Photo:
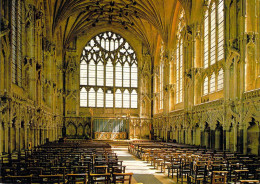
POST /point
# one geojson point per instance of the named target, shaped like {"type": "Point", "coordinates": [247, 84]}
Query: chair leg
{"type": "Point", "coordinates": [177, 174]}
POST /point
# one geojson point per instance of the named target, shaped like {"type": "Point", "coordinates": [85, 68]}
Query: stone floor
{"type": "Point", "coordinates": [143, 173]}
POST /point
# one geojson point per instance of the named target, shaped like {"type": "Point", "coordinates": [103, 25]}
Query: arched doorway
{"type": "Point", "coordinates": [253, 138]}
{"type": "Point", "coordinates": [206, 136]}
{"type": "Point", "coordinates": [2, 138]}
{"type": "Point", "coordinates": [197, 135]}
{"type": "Point", "coordinates": [22, 136]}
{"type": "Point", "coordinates": [13, 137]}
{"type": "Point", "coordinates": [219, 137]}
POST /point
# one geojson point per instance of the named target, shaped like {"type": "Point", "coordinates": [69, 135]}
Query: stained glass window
{"type": "Point", "coordinates": [221, 30]}
{"type": "Point", "coordinates": [212, 83]}
{"type": "Point", "coordinates": [119, 98]}
{"type": "Point", "coordinates": [206, 41]}
{"type": "Point", "coordinates": [16, 41]}
{"type": "Point", "coordinates": [213, 44]}
{"type": "Point", "coordinates": [206, 86]}
{"type": "Point", "coordinates": [161, 77]}
{"type": "Point", "coordinates": [108, 66]}
{"type": "Point", "coordinates": [213, 35]}
{"type": "Point", "coordinates": [179, 71]}
{"type": "Point", "coordinates": [220, 79]}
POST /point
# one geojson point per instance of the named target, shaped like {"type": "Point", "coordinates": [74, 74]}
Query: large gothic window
{"type": "Point", "coordinates": [213, 45]}
{"type": "Point", "coordinates": [220, 79]}
{"type": "Point", "coordinates": [16, 41]}
{"type": "Point", "coordinates": [179, 58]}
{"type": "Point", "coordinates": [212, 83]}
{"type": "Point", "coordinates": [206, 86]}
{"type": "Point", "coordinates": [214, 41]}
{"type": "Point", "coordinates": [108, 73]}
{"type": "Point", "coordinates": [206, 41]}
{"type": "Point", "coordinates": [161, 73]}
{"type": "Point", "coordinates": [221, 30]}
{"type": "Point", "coordinates": [179, 71]}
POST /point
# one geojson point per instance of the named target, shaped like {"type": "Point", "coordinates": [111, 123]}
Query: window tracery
{"type": "Point", "coordinates": [16, 41]}
{"type": "Point", "coordinates": [220, 79]}
{"type": "Point", "coordinates": [213, 44]}
{"type": "Point", "coordinates": [161, 73]}
{"type": "Point", "coordinates": [206, 86]}
{"type": "Point", "coordinates": [179, 59]}
{"type": "Point", "coordinates": [212, 83]}
{"type": "Point", "coordinates": [108, 66]}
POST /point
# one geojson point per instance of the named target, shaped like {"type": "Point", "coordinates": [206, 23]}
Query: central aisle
{"type": "Point", "coordinates": [143, 173]}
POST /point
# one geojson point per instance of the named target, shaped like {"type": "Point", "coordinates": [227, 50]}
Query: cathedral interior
{"type": "Point", "coordinates": [169, 72]}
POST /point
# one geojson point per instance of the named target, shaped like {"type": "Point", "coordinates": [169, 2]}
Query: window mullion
{"type": "Point", "coordinates": [110, 44]}
{"type": "Point", "coordinates": [105, 88]}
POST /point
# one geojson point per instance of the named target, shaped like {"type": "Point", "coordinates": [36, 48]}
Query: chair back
{"type": "Point", "coordinates": [122, 178]}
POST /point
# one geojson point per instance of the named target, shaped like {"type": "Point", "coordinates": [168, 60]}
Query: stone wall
{"type": "Point", "coordinates": [227, 119]}
{"type": "Point", "coordinates": [30, 110]}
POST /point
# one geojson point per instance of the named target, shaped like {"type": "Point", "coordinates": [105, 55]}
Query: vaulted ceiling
{"type": "Point", "coordinates": [146, 19]}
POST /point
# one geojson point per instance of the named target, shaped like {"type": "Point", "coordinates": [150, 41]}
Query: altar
{"type": "Point", "coordinates": [110, 135]}
{"type": "Point", "coordinates": [110, 129]}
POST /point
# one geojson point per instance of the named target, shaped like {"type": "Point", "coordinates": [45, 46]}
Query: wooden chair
{"type": "Point", "coordinates": [36, 171]}
{"type": "Point", "coordinates": [175, 165]}
{"type": "Point", "coordinates": [18, 179]}
{"type": "Point", "coordinates": [250, 181]}
{"type": "Point", "coordinates": [241, 175]}
{"type": "Point", "coordinates": [75, 178]}
{"type": "Point", "coordinates": [122, 178]}
{"type": "Point", "coordinates": [199, 174]}
{"type": "Point", "coordinates": [81, 169]}
{"type": "Point", "coordinates": [219, 177]}
{"type": "Point", "coordinates": [58, 178]}
{"type": "Point", "coordinates": [118, 169]}
{"type": "Point", "coordinates": [257, 174]}
{"type": "Point", "coordinates": [186, 168]}
{"type": "Point", "coordinates": [101, 169]}
{"type": "Point", "coordinates": [100, 178]}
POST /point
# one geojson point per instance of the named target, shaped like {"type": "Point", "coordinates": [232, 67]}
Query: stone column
{"type": "Point", "coordinates": [39, 136]}
{"type": "Point", "coordinates": [34, 137]}
{"type": "Point", "coordinates": [235, 137]}
{"type": "Point", "coordinates": [26, 135]}
{"type": "Point", "coordinates": [7, 138]}
{"type": "Point", "coordinates": [17, 138]}
{"type": "Point", "coordinates": [227, 136]}
{"type": "Point", "coordinates": [2, 134]}
{"type": "Point", "coordinates": [32, 140]}
{"type": "Point", "coordinates": [244, 128]}
{"type": "Point", "coordinates": [12, 137]}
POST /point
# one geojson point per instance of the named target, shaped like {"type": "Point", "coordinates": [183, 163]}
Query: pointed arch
{"type": "Point", "coordinates": [108, 62]}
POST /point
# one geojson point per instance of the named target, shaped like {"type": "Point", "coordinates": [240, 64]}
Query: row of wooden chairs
{"type": "Point", "coordinates": [73, 178]}
{"type": "Point", "coordinates": [66, 163]}
{"type": "Point", "coordinates": [197, 165]}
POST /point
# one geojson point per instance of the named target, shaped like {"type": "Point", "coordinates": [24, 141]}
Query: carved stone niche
{"type": "Point", "coordinates": [29, 15]}
{"type": "Point", "coordinates": [189, 30]}
{"type": "Point", "coordinates": [38, 14]}
{"type": "Point", "coordinates": [251, 37]}
{"type": "Point", "coordinates": [4, 26]}
{"type": "Point", "coordinates": [28, 61]}
{"type": "Point", "coordinates": [188, 73]}
{"type": "Point", "coordinates": [46, 45]}
{"type": "Point", "coordinates": [38, 66]}
{"type": "Point", "coordinates": [234, 44]}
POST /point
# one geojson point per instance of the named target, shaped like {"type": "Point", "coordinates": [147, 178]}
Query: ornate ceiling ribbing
{"type": "Point", "coordinates": [140, 17]}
